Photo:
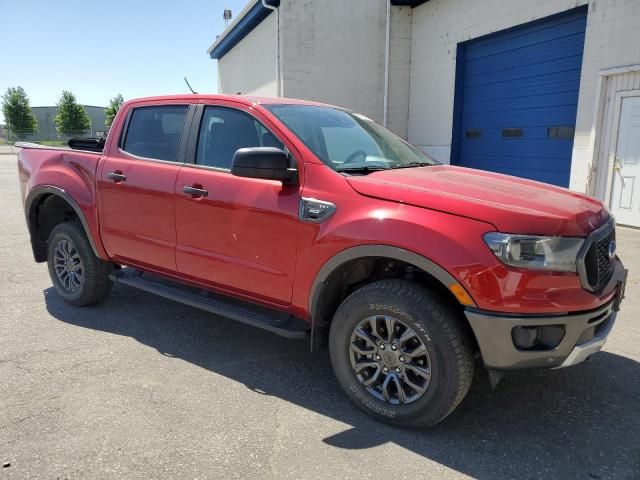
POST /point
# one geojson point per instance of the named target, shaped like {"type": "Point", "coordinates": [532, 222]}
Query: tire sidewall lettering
{"type": "Point", "coordinates": [399, 311]}
{"type": "Point", "coordinates": [365, 399]}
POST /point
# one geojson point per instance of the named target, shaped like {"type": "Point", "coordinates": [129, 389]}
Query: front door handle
{"type": "Point", "coordinates": [117, 176]}
{"type": "Point", "coordinates": [195, 191]}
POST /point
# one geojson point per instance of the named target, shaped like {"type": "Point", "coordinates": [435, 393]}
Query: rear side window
{"type": "Point", "coordinates": [154, 132]}
{"type": "Point", "coordinates": [225, 130]}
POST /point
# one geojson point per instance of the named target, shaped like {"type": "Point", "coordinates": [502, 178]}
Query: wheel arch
{"type": "Point", "coordinates": [323, 296]}
{"type": "Point", "coordinates": [34, 201]}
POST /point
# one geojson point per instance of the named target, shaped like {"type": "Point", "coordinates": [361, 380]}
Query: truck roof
{"type": "Point", "coordinates": [245, 99]}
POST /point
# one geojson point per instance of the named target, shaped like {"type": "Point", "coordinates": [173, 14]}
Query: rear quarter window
{"type": "Point", "coordinates": [154, 132]}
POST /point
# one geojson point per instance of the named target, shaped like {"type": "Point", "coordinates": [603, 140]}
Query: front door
{"type": "Point", "coordinates": [625, 199]}
{"type": "Point", "coordinates": [235, 234]}
{"type": "Point", "coordinates": [136, 184]}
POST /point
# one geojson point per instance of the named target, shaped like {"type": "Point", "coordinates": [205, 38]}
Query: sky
{"type": "Point", "coordinates": [99, 49]}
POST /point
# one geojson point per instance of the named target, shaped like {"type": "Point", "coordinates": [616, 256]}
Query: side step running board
{"type": "Point", "coordinates": [273, 321]}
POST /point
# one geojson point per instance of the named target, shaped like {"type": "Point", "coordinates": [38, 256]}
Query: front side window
{"type": "Point", "coordinates": [348, 141]}
{"type": "Point", "coordinates": [225, 130]}
{"type": "Point", "coordinates": [154, 132]}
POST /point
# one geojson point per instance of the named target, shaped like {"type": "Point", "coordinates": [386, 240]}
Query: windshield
{"type": "Point", "coordinates": [347, 141]}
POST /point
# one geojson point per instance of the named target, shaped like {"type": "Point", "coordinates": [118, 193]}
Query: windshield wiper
{"type": "Point", "coordinates": [413, 164]}
{"type": "Point", "coordinates": [361, 169]}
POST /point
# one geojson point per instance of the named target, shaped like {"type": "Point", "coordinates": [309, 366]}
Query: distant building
{"type": "Point", "coordinates": [47, 127]}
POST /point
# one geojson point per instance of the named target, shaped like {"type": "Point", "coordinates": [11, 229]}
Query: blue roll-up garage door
{"type": "Point", "coordinates": [517, 96]}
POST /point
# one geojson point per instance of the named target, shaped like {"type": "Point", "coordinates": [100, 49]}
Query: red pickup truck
{"type": "Point", "coordinates": [310, 220]}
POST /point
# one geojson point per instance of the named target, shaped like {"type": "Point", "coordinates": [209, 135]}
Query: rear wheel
{"type": "Point", "coordinates": [78, 276]}
{"type": "Point", "coordinates": [400, 354]}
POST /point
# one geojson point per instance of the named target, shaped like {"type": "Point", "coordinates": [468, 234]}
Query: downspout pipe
{"type": "Point", "coordinates": [385, 108]}
{"type": "Point", "coordinates": [278, 81]}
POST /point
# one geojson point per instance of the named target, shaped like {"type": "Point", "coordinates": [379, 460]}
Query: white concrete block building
{"type": "Point", "coordinates": [542, 89]}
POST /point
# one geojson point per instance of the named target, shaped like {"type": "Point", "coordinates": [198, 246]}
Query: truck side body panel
{"type": "Point", "coordinates": [140, 228]}
{"type": "Point", "coordinates": [72, 172]}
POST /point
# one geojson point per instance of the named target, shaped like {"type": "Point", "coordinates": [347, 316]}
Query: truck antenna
{"type": "Point", "coordinates": [187, 82]}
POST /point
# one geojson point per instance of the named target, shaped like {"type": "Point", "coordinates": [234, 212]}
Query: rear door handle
{"type": "Point", "coordinates": [117, 176]}
{"type": "Point", "coordinates": [195, 191]}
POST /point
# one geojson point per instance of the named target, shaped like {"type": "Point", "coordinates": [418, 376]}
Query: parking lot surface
{"type": "Point", "coordinates": [141, 387]}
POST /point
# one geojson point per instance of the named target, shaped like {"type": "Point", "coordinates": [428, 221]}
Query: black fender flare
{"type": "Point", "coordinates": [30, 212]}
{"type": "Point", "coordinates": [363, 251]}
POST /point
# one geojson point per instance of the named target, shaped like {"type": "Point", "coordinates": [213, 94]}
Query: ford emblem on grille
{"type": "Point", "coordinates": [612, 249]}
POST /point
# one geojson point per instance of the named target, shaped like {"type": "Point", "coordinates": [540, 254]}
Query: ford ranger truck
{"type": "Point", "coordinates": [312, 221]}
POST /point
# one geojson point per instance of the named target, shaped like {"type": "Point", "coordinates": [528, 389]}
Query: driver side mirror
{"type": "Point", "coordinates": [268, 163]}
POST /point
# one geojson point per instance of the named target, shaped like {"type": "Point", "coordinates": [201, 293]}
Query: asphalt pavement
{"type": "Point", "coordinates": [141, 387]}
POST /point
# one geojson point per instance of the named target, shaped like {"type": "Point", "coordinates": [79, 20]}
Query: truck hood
{"type": "Point", "coordinates": [511, 204]}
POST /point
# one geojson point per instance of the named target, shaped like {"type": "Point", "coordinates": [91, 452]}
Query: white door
{"type": "Point", "coordinates": [625, 199]}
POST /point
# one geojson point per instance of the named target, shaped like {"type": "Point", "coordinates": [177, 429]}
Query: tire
{"type": "Point", "coordinates": [87, 280]}
{"type": "Point", "coordinates": [430, 324]}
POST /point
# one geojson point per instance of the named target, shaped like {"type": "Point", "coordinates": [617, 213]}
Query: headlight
{"type": "Point", "coordinates": [528, 251]}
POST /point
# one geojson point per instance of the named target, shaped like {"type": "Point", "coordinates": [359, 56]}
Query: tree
{"type": "Point", "coordinates": [71, 119]}
{"type": "Point", "coordinates": [114, 105]}
{"type": "Point", "coordinates": [17, 112]}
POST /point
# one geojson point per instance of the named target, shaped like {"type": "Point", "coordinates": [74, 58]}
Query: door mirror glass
{"type": "Point", "coordinates": [268, 163]}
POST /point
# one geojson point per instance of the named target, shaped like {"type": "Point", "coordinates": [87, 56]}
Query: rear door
{"type": "Point", "coordinates": [136, 187]}
{"type": "Point", "coordinates": [239, 234]}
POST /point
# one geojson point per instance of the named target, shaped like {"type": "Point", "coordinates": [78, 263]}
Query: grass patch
{"type": "Point", "coordinates": [52, 143]}
{"type": "Point", "coordinates": [49, 143]}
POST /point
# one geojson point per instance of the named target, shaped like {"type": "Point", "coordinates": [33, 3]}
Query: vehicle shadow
{"type": "Point", "coordinates": [582, 422]}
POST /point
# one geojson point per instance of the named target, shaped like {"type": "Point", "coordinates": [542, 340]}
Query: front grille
{"type": "Point", "coordinates": [598, 267]}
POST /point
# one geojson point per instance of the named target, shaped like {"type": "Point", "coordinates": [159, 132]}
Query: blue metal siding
{"type": "Point", "coordinates": [525, 78]}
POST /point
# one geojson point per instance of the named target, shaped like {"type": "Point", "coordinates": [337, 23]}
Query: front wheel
{"type": "Point", "coordinates": [78, 276]}
{"type": "Point", "coordinates": [400, 354]}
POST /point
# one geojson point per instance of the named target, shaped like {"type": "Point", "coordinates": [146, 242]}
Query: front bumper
{"type": "Point", "coordinates": [584, 333]}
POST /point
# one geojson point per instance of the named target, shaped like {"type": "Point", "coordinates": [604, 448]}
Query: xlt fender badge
{"type": "Point", "coordinates": [314, 210]}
